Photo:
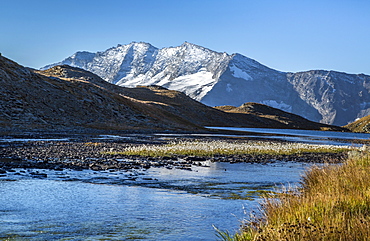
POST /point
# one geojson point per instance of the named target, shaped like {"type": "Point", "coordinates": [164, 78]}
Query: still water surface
{"type": "Point", "coordinates": [305, 136]}
{"type": "Point", "coordinates": [157, 204]}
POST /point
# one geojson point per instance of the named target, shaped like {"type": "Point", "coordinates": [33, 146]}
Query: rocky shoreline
{"type": "Point", "coordinates": [80, 155]}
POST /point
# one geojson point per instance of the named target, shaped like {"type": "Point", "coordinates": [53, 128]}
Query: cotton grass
{"type": "Point", "coordinates": [220, 147]}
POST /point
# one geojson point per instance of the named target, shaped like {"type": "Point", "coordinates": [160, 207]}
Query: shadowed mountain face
{"type": "Point", "coordinates": [217, 79]}
{"type": "Point", "coordinates": [65, 97]}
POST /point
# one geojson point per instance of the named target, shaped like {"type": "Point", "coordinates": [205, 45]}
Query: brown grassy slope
{"type": "Point", "coordinates": [360, 125]}
{"type": "Point", "coordinates": [30, 100]}
{"type": "Point", "coordinates": [157, 114]}
{"type": "Point", "coordinates": [277, 118]}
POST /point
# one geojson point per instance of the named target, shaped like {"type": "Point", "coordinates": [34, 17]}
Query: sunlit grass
{"type": "Point", "coordinates": [212, 148]}
{"type": "Point", "coordinates": [333, 203]}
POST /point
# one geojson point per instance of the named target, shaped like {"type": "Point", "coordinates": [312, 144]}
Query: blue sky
{"type": "Point", "coordinates": [285, 35]}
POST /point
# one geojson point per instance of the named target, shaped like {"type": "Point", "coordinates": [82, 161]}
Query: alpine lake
{"type": "Point", "coordinates": [157, 203]}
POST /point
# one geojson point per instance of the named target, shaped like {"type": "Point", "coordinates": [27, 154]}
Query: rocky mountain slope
{"type": "Point", "coordinates": [69, 98]}
{"type": "Point", "coordinates": [360, 125]}
{"type": "Point", "coordinates": [221, 79]}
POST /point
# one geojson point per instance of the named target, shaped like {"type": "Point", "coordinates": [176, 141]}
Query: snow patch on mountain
{"type": "Point", "coordinates": [238, 73]}
{"type": "Point", "coordinates": [195, 85]}
{"type": "Point", "coordinates": [278, 105]}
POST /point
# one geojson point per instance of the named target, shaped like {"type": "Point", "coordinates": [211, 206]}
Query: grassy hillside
{"type": "Point", "coordinates": [361, 125]}
{"type": "Point", "coordinates": [276, 118]}
{"type": "Point", "coordinates": [34, 100]}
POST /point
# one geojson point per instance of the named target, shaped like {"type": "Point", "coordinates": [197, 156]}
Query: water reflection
{"type": "Point", "coordinates": [161, 204]}
{"type": "Point", "coordinates": [306, 136]}
{"type": "Point", "coordinates": [51, 210]}
{"type": "Point", "coordinates": [153, 204]}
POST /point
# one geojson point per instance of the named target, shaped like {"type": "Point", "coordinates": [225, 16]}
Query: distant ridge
{"type": "Point", "coordinates": [216, 79]}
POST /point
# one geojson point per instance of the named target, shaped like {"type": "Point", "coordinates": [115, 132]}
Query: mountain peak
{"type": "Point", "coordinates": [186, 43]}
{"type": "Point", "coordinates": [196, 46]}
{"type": "Point", "coordinates": [144, 44]}
{"type": "Point", "coordinates": [189, 44]}
{"type": "Point", "coordinates": [134, 43]}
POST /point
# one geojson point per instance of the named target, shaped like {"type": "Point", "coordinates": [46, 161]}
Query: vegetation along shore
{"type": "Point", "coordinates": [333, 203]}
{"type": "Point", "coordinates": [117, 155]}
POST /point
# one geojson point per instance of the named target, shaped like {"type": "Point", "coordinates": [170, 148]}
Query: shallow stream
{"type": "Point", "coordinates": [147, 204]}
{"type": "Point", "coordinates": [156, 204]}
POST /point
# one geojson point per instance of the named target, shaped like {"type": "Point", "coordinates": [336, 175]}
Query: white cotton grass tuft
{"type": "Point", "coordinates": [221, 147]}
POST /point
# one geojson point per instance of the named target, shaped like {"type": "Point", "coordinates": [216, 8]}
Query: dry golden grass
{"type": "Point", "coordinates": [361, 125]}
{"type": "Point", "coordinates": [332, 204]}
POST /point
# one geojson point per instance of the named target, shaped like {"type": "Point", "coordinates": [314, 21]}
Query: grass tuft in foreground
{"type": "Point", "coordinates": [332, 204]}
{"type": "Point", "coordinates": [211, 148]}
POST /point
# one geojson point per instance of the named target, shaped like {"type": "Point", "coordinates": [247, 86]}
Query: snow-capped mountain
{"type": "Point", "coordinates": [191, 69]}
{"type": "Point", "coordinates": [215, 79]}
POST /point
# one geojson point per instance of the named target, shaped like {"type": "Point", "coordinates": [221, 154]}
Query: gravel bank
{"type": "Point", "coordinates": [92, 155]}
